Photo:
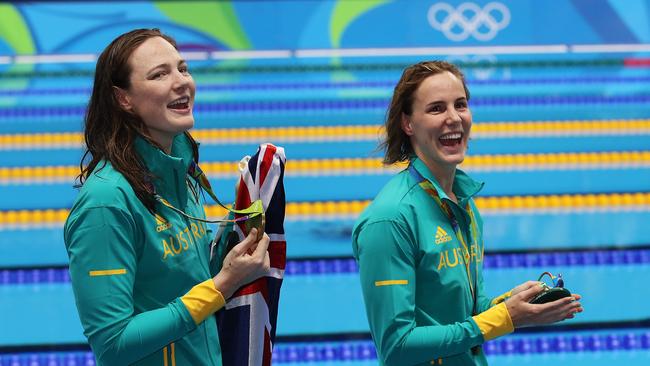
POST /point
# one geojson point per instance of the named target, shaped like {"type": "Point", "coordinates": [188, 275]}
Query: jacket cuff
{"type": "Point", "coordinates": [203, 300]}
{"type": "Point", "coordinates": [501, 298]}
{"type": "Point", "coordinates": [494, 322]}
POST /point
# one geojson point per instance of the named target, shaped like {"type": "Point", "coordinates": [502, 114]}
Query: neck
{"type": "Point", "coordinates": [444, 176]}
{"type": "Point", "coordinates": [165, 142]}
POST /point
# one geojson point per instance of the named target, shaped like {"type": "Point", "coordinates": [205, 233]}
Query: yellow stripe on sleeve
{"type": "Point", "coordinates": [391, 282]}
{"type": "Point", "coordinates": [107, 272]}
{"type": "Point", "coordinates": [494, 322]}
{"type": "Point", "coordinates": [203, 300]}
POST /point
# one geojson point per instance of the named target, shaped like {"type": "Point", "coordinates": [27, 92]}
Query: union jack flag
{"type": "Point", "coordinates": [247, 324]}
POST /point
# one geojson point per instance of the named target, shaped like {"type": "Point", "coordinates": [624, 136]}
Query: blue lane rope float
{"type": "Point", "coordinates": [343, 104]}
{"type": "Point", "coordinates": [346, 85]}
{"type": "Point", "coordinates": [364, 350]}
{"type": "Point", "coordinates": [318, 267]}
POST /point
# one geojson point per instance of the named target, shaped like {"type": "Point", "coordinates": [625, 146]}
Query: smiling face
{"type": "Point", "coordinates": [161, 90]}
{"type": "Point", "coordinates": [440, 122]}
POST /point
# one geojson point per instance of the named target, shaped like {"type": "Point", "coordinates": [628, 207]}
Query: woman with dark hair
{"type": "Point", "coordinates": [419, 244]}
{"type": "Point", "coordinates": [138, 248]}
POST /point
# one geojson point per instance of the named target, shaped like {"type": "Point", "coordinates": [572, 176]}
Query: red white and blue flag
{"type": "Point", "coordinates": [247, 324]}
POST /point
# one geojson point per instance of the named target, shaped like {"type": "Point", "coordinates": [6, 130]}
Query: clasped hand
{"type": "Point", "coordinates": [244, 263]}
{"type": "Point", "coordinates": [524, 314]}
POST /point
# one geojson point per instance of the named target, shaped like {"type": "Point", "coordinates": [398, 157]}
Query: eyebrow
{"type": "Point", "coordinates": [442, 101]}
{"type": "Point", "coordinates": [434, 103]}
{"type": "Point", "coordinates": [180, 62]}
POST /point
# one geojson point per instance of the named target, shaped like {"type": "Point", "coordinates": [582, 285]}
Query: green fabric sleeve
{"type": "Point", "coordinates": [387, 256]}
{"type": "Point", "coordinates": [100, 243]}
{"type": "Point", "coordinates": [483, 302]}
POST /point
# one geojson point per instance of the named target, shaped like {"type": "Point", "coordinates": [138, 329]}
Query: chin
{"type": "Point", "coordinates": [455, 160]}
{"type": "Point", "coordinates": [185, 124]}
{"type": "Point", "coordinates": [189, 126]}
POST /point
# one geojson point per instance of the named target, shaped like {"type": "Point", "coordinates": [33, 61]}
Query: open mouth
{"type": "Point", "coordinates": [180, 104]}
{"type": "Point", "coordinates": [451, 139]}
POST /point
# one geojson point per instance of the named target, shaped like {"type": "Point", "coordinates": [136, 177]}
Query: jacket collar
{"type": "Point", "coordinates": [170, 171]}
{"type": "Point", "coordinates": [464, 186]}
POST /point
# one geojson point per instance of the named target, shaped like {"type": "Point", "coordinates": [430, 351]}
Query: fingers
{"type": "Point", "coordinates": [525, 314]}
{"type": "Point", "coordinates": [528, 284]}
{"type": "Point", "coordinates": [267, 263]}
{"type": "Point", "coordinates": [571, 314]}
{"type": "Point", "coordinates": [564, 308]}
{"type": "Point", "coordinates": [531, 291]}
{"type": "Point", "coordinates": [565, 302]}
{"type": "Point", "coordinates": [255, 249]}
{"type": "Point", "coordinates": [522, 287]}
{"type": "Point", "coordinates": [245, 263]}
{"type": "Point", "coordinates": [262, 245]}
{"type": "Point", "coordinates": [245, 245]}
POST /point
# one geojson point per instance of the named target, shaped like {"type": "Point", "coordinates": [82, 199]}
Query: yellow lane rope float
{"type": "Point", "coordinates": [296, 211]}
{"type": "Point", "coordinates": [353, 133]}
{"type": "Point", "coordinates": [359, 166]}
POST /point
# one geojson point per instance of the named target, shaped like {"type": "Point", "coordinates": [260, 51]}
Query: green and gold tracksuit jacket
{"type": "Point", "coordinates": [141, 281]}
{"type": "Point", "coordinates": [414, 279]}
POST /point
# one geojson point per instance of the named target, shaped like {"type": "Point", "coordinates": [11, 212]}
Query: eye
{"type": "Point", "coordinates": [436, 108]}
{"type": "Point", "coordinates": [184, 70]}
{"type": "Point", "coordinates": [461, 104]}
{"type": "Point", "coordinates": [159, 75]}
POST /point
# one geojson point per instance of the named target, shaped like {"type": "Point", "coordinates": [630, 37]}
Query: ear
{"type": "Point", "coordinates": [123, 99]}
{"type": "Point", "coordinates": [406, 125]}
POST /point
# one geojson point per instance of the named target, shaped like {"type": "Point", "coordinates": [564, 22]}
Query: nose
{"type": "Point", "coordinates": [181, 80]}
{"type": "Point", "coordinates": [453, 116]}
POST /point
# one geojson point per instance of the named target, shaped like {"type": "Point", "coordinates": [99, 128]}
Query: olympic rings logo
{"type": "Point", "coordinates": [469, 20]}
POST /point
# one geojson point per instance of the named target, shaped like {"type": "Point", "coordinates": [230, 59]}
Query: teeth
{"type": "Point", "coordinates": [451, 136]}
{"type": "Point", "coordinates": [183, 100]}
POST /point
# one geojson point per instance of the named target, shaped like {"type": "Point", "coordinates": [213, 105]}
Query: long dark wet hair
{"type": "Point", "coordinates": [109, 131]}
